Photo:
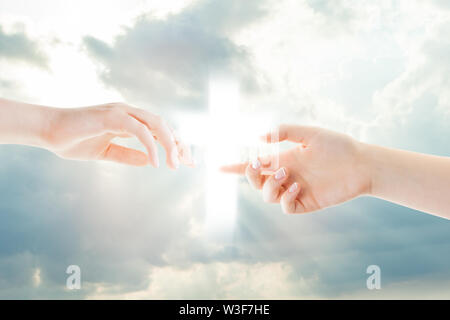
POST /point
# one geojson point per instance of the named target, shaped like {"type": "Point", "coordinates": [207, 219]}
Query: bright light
{"type": "Point", "coordinates": [227, 135]}
{"type": "Point", "coordinates": [221, 189]}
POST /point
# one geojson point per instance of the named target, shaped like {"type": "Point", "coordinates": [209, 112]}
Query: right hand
{"type": "Point", "coordinates": [86, 134]}
{"type": "Point", "coordinates": [325, 168]}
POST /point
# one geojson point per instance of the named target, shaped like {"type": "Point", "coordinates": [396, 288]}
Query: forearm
{"type": "Point", "coordinates": [415, 180]}
{"type": "Point", "coordinates": [22, 123]}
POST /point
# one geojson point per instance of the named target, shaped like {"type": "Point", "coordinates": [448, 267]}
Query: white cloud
{"type": "Point", "coordinates": [233, 280]}
{"type": "Point", "coordinates": [18, 46]}
{"type": "Point", "coordinates": [168, 62]}
{"type": "Point", "coordinates": [422, 288]}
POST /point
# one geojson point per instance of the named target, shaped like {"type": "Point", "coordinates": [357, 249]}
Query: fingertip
{"type": "Point", "coordinates": [153, 154]}
{"type": "Point", "coordinates": [175, 162]}
{"type": "Point", "coordinates": [264, 138]}
{"type": "Point", "coordinates": [189, 161]}
{"type": "Point", "coordinates": [255, 165]}
{"type": "Point", "coordinates": [154, 162]}
{"type": "Point", "coordinates": [185, 154]}
{"type": "Point", "coordinates": [227, 169]}
{"type": "Point", "coordinates": [253, 174]}
{"type": "Point", "coordinates": [289, 202]}
{"type": "Point", "coordinates": [281, 174]}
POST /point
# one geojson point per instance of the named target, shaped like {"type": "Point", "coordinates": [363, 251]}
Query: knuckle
{"type": "Point", "coordinates": [160, 123]}
{"type": "Point", "coordinates": [282, 127]}
{"type": "Point", "coordinates": [142, 130]}
{"type": "Point", "coordinates": [158, 119]}
{"type": "Point", "coordinates": [171, 141]}
{"type": "Point", "coordinates": [114, 115]}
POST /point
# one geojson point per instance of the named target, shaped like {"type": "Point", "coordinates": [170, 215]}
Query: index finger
{"type": "Point", "coordinates": [293, 133]}
{"type": "Point", "coordinates": [237, 168]}
{"type": "Point", "coordinates": [240, 168]}
{"type": "Point", "coordinates": [162, 132]}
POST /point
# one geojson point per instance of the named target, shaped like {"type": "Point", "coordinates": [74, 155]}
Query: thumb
{"type": "Point", "coordinates": [124, 155]}
{"type": "Point", "coordinates": [240, 168]}
{"type": "Point", "coordinates": [293, 133]}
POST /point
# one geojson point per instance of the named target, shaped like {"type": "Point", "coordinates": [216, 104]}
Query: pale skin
{"type": "Point", "coordinates": [326, 168]}
{"type": "Point", "coordinates": [86, 133]}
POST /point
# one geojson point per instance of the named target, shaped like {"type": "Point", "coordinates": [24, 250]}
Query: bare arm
{"type": "Point", "coordinates": [22, 123]}
{"type": "Point", "coordinates": [415, 180]}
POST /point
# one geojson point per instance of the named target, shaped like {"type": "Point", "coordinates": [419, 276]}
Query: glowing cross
{"type": "Point", "coordinates": [228, 137]}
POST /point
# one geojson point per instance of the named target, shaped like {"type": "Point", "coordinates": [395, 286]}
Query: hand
{"type": "Point", "coordinates": [86, 134]}
{"type": "Point", "coordinates": [324, 169]}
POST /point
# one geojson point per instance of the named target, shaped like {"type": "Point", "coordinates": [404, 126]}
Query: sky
{"type": "Point", "coordinates": [378, 71]}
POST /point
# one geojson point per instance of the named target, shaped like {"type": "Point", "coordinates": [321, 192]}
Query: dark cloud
{"type": "Point", "coordinates": [18, 46]}
{"type": "Point", "coordinates": [168, 62]}
{"type": "Point", "coordinates": [55, 213]}
{"type": "Point", "coordinates": [336, 245]}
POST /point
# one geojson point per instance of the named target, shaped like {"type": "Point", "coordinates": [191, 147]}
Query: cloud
{"type": "Point", "coordinates": [428, 288]}
{"type": "Point", "coordinates": [16, 47]}
{"type": "Point", "coordinates": [442, 4]}
{"type": "Point", "coordinates": [167, 62]}
{"type": "Point", "coordinates": [418, 100]}
{"type": "Point", "coordinates": [339, 14]}
{"type": "Point", "coordinates": [19, 47]}
{"type": "Point", "coordinates": [134, 232]}
{"type": "Point", "coordinates": [233, 280]}
{"type": "Point", "coordinates": [428, 73]}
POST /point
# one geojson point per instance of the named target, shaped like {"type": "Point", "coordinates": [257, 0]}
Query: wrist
{"type": "Point", "coordinates": [47, 130]}
{"type": "Point", "coordinates": [367, 165]}
{"type": "Point", "coordinates": [27, 124]}
{"type": "Point", "coordinates": [37, 125]}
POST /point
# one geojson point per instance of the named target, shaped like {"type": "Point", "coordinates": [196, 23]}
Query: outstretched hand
{"type": "Point", "coordinates": [325, 168]}
{"type": "Point", "coordinates": [86, 134]}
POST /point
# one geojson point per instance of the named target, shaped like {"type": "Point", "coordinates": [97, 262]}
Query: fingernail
{"type": "Point", "coordinates": [294, 187]}
{"type": "Point", "coordinates": [256, 164]}
{"type": "Point", "coordinates": [280, 174]}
